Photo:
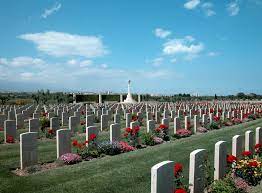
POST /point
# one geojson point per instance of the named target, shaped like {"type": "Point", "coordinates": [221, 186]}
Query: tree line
{"type": "Point", "coordinates": [47, 97]}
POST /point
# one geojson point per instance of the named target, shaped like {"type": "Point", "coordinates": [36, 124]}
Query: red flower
{"type": "Point", "coordinates": [178, 167]}
{"type": "Point", "coordinates": [246, 153]}
{"type": "Point", "coordinates": [74, 142]}
{"type": "Point", "coordinates": [158, 129]}
{"type": "Point", "coordinates": [257, 146]}
{"type": "Point", "coordinates": [216, 118]}
{"type": "Point", "coordinates": [134, 118]}
{"type": "Point", "coordinates": [253, 164]}
{"type": "Point", "coordinates": [80, 145]}
{"type": "Point", "coordinates": [1, 129]}
{"type": "Point", "coordinates": [128, 130]}
{"type": "Point", "coordinates": [83, 112]}
{"type": "Point", "coordinates": [10, 139]}
{"type": "Point", "coordinates": [136, 129]}
{"type": "Point", "coordinates": [86, 142]}
{"type": "Point", "coordinates": [50, 131]}
{"type": "Point", "coordinates": [92, 137]}
{"type": "Point", "coordinates": [125, 134]}
{"type": "Point", "coordinates": [180, 190]}
{"type": "Point", "coordinates": [162, 126]}
{"type": "Point", "coordinates": [231, 158]}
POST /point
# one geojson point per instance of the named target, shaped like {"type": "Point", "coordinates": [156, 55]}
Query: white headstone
{"type": "Point", "coordinates": [162, 177]}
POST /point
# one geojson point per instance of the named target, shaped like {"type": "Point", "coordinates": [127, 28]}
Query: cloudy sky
{"type": "Point", "coordinates": [163, 46]}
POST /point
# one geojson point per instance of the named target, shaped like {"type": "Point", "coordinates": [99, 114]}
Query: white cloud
{"type": "Point", "coordinates": [22, 61]}
{"type": "Point", "coordinates": [73, 74]}
{"type": "Point", "coordinates": [233, 8]}
{"type": "Point", "coordinates": [104, 65]}
{"type": "Point", "coordinates": [153, 74]}
{"type": "Point", "coordinates": [191, 4]}
{"type": "Point", "coordinates": [213, 53]}
{"type": "Point", "coordinates": [64, 44]}
{"type": "Point", "coordinates": [182, 46]}
{"type": "Point", "coordinates": [26, 75]}
{"type": "Point", "coordinates": [3, 61]}
{"type": "Point", "coordinates": [86, 63]}
{"type": "Point", "coordinates": [173, 60]}
{"type": "Point", "coordinates": [190, 38]}
{"type": "Point", "coordinates": [161, 33]}
{"type": "Point", "coordinates": [55, 8]}
{"type": "Point", "coordinates": [72, 62]}
{"type": "Point", "coordinates": [79, 63]}
{"type": "Point", "coordinates": [208, 9]}
{"type": "Point", "coordinates": [157, 61]}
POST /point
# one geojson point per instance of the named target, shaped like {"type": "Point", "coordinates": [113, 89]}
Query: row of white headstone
{"type": "Point", "coordinates": [28, 142]}
{"type": "Point", "coordinates": [162, 176]}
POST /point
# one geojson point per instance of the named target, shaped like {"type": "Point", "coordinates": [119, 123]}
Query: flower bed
{"type": "Point", "coordinates": [242, 174]}
{"type": "Point", "coordinates": [182, 133]}
{"type": "Point", "coordinates": [162, 132]}
{"type": "Point", "coordinates": [70, 158]}
{"type": "Point", "coordinates": [202, 130]}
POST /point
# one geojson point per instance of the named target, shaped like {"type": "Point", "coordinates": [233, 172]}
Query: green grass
{"type": "Point", "coordinates": [128, 173]}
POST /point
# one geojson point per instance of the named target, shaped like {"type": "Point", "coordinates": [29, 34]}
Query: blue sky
{"type": "Point", "coordinates": [167, 46]}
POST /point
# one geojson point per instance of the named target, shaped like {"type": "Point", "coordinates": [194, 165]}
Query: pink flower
{"type": "Point", "coordinates": [125, 147]}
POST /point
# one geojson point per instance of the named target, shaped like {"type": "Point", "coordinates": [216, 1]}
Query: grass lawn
{"type": "Point", "coordinates": [127, 173]}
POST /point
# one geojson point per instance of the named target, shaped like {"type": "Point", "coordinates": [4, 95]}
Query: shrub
{"type": "Point", "coordinates": [158, 140]}
{"type": "Point", "coordinates": [108, 148]}
{"type": "Point", "coordinates": [84, 129]}
{"type": "Point", "coordinates": [201, 129]}
{"type": "Point", "coordinates": [225, 185]}
{"type": "Point", "coordinates": [182, 133]}
{"type": "Point", "coordinates": [214, 125]}
{"type": "Point", "coordinates": [250, 170]}
{"type": "Point", "coordinates": [33, 169]}
{"type": "Point", "coordinates": [44, 122]}
{"type": "Point", "coordinates": [162, 132]}
{"type": "Point", "coordinates": [49, 133]}
{"type": "Point", "coordinates": [241, 184]}
{"type": "Point", "coordinates": [227, 122]}
{"type": "Point", "coordinates": [148, 139]}
{"type": "Point", "coordinates": [236, 121]}
{"type": "Point", "coordinates": [134, 117]}
{"type": "Point", "coordinates": [132, 135]}
{"type": "Point", "coordinates": [90, 151]}
{"type": "Point", "coordinates": [70, 158]}
{"type": "Point", "coordinates": [125, 147]}
{"type": "Point", "coordinates": [252, 117]}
